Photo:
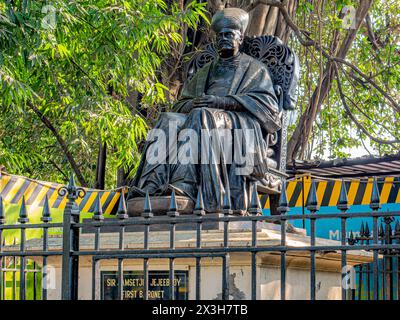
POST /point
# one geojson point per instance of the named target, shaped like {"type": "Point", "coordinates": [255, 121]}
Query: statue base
{"type": "Point", "coordinates": [160, 205]}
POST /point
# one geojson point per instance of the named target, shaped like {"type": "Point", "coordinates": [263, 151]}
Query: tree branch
{"type": "Point", "coordinates": [394, 104]}
{"type": "Point", "coordinates": [61, 141]}
{"type": "Point", "coordinates": [59, 169]}
{"type": "Point", "coordinates": [273, 3]}
{"type": "Point", "coordinates": [353, 118]}
{"type": "Point", "coordinates": [358, 108]}
{"type": "Point", "coordinates": [371, 33]}
{"type": "Point", "coordinates": [310, 42]}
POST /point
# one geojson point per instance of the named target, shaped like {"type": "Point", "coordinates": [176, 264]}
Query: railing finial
{"type": "Point", "coordinates": [366, 230]}
{"type": "Point", "coordinates": [71, 183]}
{"type": "Point", "coordinates": [122, 211]}
{"type": "Point", "coordinates": [23, 216]}
{"type": "Point", "coordinates": [255, 205]}
{"type": "Point", "coordinates": [375, 203]}
{"type": "Point", "coordinates": [46, 217]}
{"type": "Point", "coordinates": [362, 229]}
{"type": "Point", "coordinates": [199, 207]}
{"type": "Point", "coordinates": [343, 203]}
{"type": "Point", "coordinates": [2, 212]}
{"type": "Point", "coordinates": [283, 200]}
{"type": "Point", "coordinates": [98, 210]}
{"type": "Point", "coordinates": [147, 211]}
{"type": "Point", "coordinates": [71, 190]}
{"type": "Point", "coordinates": [312, 201]}
{"type": "Point", "coordinates": [380, 231]}
{"type": "Point", "coordinates": [397, 228]}
{"type": "Point", "coordinates": [351, 239]}
{"type": "Point", "coordinates": [173, 207]}
{"type": "Point", "coordinates": [226, 204]}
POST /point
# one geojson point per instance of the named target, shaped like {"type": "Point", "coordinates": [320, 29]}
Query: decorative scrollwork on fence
{"type": "Point", "coordinates": [71, 191]}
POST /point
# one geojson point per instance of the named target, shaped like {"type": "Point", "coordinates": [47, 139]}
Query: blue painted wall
{"type": "Point", "coordinates": [330, 228]}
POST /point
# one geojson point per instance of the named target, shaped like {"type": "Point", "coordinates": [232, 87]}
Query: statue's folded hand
{"type": "Point", "coordinates": [225, 103]}
{"type": "Point", "coordinates": [205, 101]}
{"type": "Point", "coordinates": [211, 101]}
{"type": "Point", "coordinates": [201, 102]}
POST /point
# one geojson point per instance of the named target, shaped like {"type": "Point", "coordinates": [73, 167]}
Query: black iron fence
{"type": "Point", "coordinates": [378, 279]}
{"type": "Point", "coordinates": [11, 279]}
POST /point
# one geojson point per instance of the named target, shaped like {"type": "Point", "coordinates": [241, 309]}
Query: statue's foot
{"type": "Point", "coordinates": [178, 191]}
{"type": "Point", "coordinates": [135, 192]}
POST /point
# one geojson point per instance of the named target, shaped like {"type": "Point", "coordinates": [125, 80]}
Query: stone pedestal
{"type": "Point", "coordinates": [206, 225]}
{"type": "Point", "coordinates": [160, 205]}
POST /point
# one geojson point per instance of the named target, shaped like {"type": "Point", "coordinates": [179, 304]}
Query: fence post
{"type": "Point", "coordinates": [2, 244]}
{"type": "Point", "coordinates": [70, 262]}
{"type": "Point", "coordinates": [254, 210]}
{"type": "Point", "coordinates": [22, 219]}
{"type": "Point", "coordinates": [283, 209]}
{"type": "Point", "coordinates": [227, 211]}
{"type": "Point", "coordinates": [343, 206]}
{"type": "Point", "coordinates": [375, 206]}
{"type": "Point", "coordinates": [387, 256]}
{"type": "Point", "coordinates": [313, 207]}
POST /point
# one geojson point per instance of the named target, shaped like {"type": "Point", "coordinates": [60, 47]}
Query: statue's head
{"type": "Point", "coordinates": [229, 25]}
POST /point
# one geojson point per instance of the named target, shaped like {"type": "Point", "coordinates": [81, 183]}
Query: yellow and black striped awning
{"type": "Point", "coordinates": [358, 191]}
{"type": "Point", "coordinates": [13, 188]}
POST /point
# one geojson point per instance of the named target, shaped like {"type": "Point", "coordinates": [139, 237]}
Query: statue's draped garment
{"type": "Point", "coordinates": [244, 79]}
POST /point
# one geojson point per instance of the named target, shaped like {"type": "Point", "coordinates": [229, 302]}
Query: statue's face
{"type": "Point", "coordinates": [228, 42]}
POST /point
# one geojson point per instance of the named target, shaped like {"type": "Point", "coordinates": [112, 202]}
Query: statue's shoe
{"type": "Point", "coordinates": [136, 192]}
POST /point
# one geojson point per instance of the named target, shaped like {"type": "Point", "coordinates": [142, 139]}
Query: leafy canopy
{"type": "Point", "coordinates": [77, 62]}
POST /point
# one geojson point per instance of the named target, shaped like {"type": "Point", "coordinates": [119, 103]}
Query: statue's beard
{"type": "Point", "coordinates": [226, 50]}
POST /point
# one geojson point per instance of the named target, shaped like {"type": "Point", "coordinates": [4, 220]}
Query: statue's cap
{"type": "Point", "coordinates": [232, 18]}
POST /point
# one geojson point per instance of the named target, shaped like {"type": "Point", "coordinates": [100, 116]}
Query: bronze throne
{"type": "Point", "coordinates": [283, 66]}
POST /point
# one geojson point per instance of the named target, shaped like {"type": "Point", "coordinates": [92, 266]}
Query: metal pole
{"type": "Point", "coordinates": [70, 262]}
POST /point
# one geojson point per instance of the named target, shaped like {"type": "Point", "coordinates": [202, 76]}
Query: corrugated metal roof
{"type": "Point", "coordinates": [368, 166]}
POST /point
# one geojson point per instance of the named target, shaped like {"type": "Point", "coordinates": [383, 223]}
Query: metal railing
{"type": "Point", "coordinates": [10, 278]}
{"type": "Point", "coordinates": [383, 242]}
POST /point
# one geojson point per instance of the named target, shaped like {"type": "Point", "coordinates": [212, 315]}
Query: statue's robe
{"type": "Point", "coordinates": [244, 79]}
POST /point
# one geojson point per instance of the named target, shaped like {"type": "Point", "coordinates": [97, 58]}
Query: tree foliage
{"type": "Point", "coordinates": [365, 112]}
{"type": "Point", "coordinates": [66, 71]}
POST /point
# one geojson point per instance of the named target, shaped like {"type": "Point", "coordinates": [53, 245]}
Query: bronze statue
{"type": "Point", "coordinates": [234, 94]}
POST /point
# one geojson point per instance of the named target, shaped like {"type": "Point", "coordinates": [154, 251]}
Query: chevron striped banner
{"type": "Point", "coordinates": [358, 191]}
{"type": "Point", "coordinates": [13, 188]}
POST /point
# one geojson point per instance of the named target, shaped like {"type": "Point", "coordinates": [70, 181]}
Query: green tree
{"type": "Point", "coordinates": [67, 69]}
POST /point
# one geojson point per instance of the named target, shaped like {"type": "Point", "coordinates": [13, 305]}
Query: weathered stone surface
{"type": "Point", "coordinates": [160, 205]}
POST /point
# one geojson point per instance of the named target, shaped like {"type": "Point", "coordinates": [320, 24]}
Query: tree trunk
{"type": "Point", "coordinates": [267, 19]}
{"type": "Point", "coordinates": [99, 182]}
{"type": "Point", "coordinates": [122, 178]}
{"type": "Point", "coordinates": [265, 16]}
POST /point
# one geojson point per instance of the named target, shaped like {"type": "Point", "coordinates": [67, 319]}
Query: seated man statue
{"type": "Point", "coordinates": [226, 110]}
